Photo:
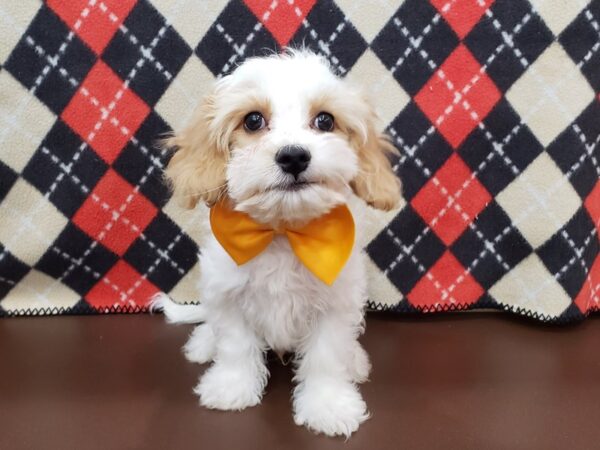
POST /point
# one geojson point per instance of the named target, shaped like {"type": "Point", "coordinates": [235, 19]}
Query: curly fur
{"type": "Point", "coordinates": [273, 301]}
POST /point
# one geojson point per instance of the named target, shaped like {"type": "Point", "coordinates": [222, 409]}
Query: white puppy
{"type": "Point", "coordinates": [284, 141]}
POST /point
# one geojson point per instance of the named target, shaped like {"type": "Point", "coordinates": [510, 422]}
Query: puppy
{"type": "Point", "coordinates": [281, 144]}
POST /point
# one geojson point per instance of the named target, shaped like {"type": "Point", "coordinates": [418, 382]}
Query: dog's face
{"type": "Point", "coordinates": [285, 140]}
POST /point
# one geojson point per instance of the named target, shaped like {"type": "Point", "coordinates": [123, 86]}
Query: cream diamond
{"type": "Point", "coordinates": [187, 290]}
{"type": "Point", "coordinates": [14, 19]}
{"type": "Point", "coordinates": [530, 286]}
{"type": "Point", "coordinates": [370, 221]}
{"type": "Point", "coordinates": [193, 221]}
{"type": "Point", "coordinates": [381, 290]}
{"type": "Point", "coordinates": [369, 17]}
{"type": "Point", "coordinates": [38, 290]}
{"type": "Point", "coordinates": [24, 121]}
{"type": "Point", "coordinates": [558, 13]}
{"type": "Point", "coordinates": [183, 96]}
{"type": "Point", "coordinates": [190, 18]}
{"type": "Point", "coordinates": [550, 94]}
{"type": "Point", "coordinates": [540, 200]}
{"type": "Point", "coordinates": [388, 96]}
{"type": "Point", "coordinates": [21, 213]}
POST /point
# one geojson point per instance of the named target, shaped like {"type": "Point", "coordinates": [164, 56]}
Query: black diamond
{"type": "Point", "coordinates": [327, 31]}
{"type": "Point", "coordinates": [143, 158]}
{"type": "Point", "coordinates": [76, 260]}
{"type": "Point", "coordinates": [66, 166]}
{"type": "Point", "coordinates": [165, 255]}
{"type": "Point", "coordinates": [83, 307]}
{"type": "Point", "coordinates": [162, 51]}
{"type": "Point", "coordinates": [413, 26]}
{"type": "Point", "coordinates": [7, 179]}
{"type": "Point", "coordinates": [506, 63]}
{"type": "Point", "coordinates": [491, 229]}
{"type": "Point", "coordinates": [571, 314]}
{"type": "Point", "coordinates": [36, 53]}
{"type": "Point", "coordinates": [421, 147]}
{"type": "Point", "coordinates": [249, 38]}
{"type": "Point", "coordinates": [11, 271]}
{"type": "Point", "coordinates": [561, 258]}
{"type": "Point", "coordinates": [580, 37]}
{"type": "Point", "coordinates": [499, 161]}
{"type": "Point", "coordinates": [573, 150]}
{"type": "Point", "coordinates": [404, 247]}
{"type": "Point", "coordinates": [485, 302]}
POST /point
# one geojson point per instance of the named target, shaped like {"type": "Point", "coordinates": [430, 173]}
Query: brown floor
{"type": "Point", "coordinates": [467, 381]}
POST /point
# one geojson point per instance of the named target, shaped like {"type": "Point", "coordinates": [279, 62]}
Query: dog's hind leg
{"type": "Point", "coordinates": [359, 364]}
{"type": "Point", "coordinates": [201, 346]}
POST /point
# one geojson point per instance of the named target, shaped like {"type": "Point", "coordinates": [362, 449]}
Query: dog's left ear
{"type": "Point", "coordinates": [376, 182]}
{"type": "Point", "coordinates": [196, 172]}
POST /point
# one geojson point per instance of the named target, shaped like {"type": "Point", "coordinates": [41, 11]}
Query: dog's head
{"type": "Point", "coordinates": [285, 140]}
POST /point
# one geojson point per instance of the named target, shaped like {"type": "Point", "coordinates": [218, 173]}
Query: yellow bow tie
{"type": "Point", "coordinates": [323, 245]}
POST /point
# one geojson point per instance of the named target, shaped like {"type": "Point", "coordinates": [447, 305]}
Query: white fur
{"type": "Point", "coordinates": [273, 301]}
{"type": "Point", "coordinates": [292, 85]}
{"type": "Point", "coordinates": [176, 313]}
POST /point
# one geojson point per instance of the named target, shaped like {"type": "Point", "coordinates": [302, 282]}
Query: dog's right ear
{"type": "Point", "coordinates": [197, 169]}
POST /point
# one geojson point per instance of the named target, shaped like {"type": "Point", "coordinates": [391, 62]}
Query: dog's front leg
{"type": "Point", "coordinates": [326, 399]}
{"type": "Point", "coordinates": [238, 376]}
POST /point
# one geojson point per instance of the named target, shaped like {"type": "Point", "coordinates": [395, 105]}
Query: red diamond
{"type": "Point", "coordinates": [111, 196]}
{"type": "Point", "coordinates": [94, 22]}
{"type": "Point", "coordinates": [104, 112]}
{"type": "Point", "coordinates": [121, 286]}
{"type": "Point", "coordinates": [592, 204]}
{"type": "Point", "coordinates": [433, 205]}
{"type": "Point", "coordinates": [589, 295]}
{"type": "Point", "coordinates": [282, 18]}
{"type": "Point", "coordinates": [462, 15]}
{"type": "Point", "coordinates": [458, 96]}
{"type": "Point", "coordinates": [446, 283]}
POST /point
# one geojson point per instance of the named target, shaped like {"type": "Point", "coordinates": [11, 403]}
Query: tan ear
{"type": "Point", "coordinates": [376, 182]}
{"type": "Point", "coordinates": [197, 169]}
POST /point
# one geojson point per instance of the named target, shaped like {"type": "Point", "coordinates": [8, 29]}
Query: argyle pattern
{"type": "Point", "coordinates": [492, 104]}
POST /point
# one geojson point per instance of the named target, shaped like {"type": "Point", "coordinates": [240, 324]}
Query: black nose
{"type": "Point", "coordinates": [293, 159]}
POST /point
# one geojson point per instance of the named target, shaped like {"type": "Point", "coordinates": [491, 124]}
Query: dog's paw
{"type": "Point", "coordinates": [330, 407]}
{"type": "Point", "coordinates": [229, 388]}
{"type": "Point", "coordinates": [360, 366]}
{"type": "Point", "coordinates": [200, 347]}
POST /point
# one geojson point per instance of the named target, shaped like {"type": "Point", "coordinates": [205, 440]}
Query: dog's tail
{"type": "Point", "coordinates": [176, 313]}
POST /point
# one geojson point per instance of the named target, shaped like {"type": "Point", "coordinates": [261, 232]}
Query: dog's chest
{"type": "Point", "coordinates": [276, 295]}
{"type": "Point", "coordinates": [281, 297]}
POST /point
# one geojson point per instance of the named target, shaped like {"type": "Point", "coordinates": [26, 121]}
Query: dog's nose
{"type": "Point", "coordinates": [293, 159]}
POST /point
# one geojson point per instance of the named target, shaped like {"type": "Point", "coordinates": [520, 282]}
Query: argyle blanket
{"type": "Point", "coordinates": [493, 106]}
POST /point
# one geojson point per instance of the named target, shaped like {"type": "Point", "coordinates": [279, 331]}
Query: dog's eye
{"type": "Point", "coordinates": [323, 121]}
{"type": "Point", "coordinates": [254, 121]}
